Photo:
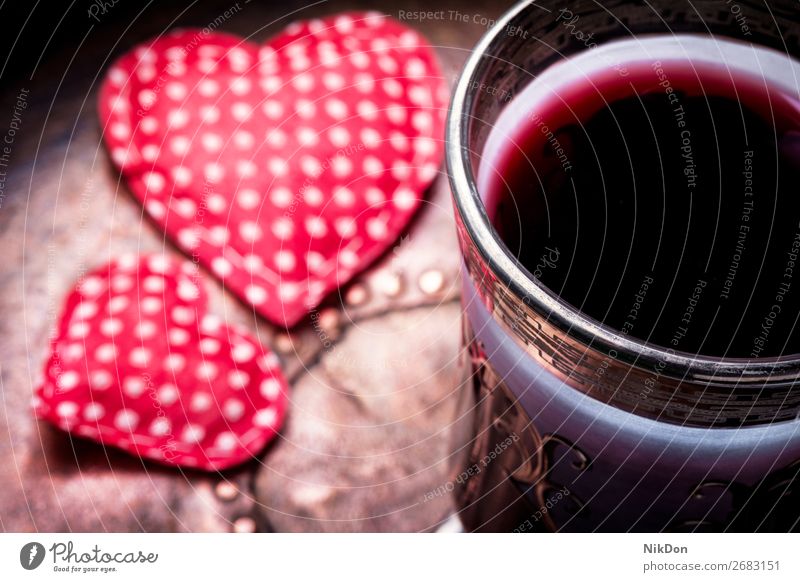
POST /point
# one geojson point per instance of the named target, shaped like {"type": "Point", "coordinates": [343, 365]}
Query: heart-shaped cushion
{"type": "Point", "coordinates": [137, 363]}
{"type": "Point", "coordinates": [285, 168]}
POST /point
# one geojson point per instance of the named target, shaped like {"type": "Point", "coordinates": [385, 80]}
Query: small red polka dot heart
{"type": "Point", "coordinates": [285, 169]}
{"type": "Point", "coordinates": [139, 364]}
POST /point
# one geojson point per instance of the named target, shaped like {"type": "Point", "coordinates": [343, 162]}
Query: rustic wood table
{"type": "Point", "coordinates": [373, 416]}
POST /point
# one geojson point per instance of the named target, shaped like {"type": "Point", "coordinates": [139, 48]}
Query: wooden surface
{"type": "Point", "coordinates": [371, 427]}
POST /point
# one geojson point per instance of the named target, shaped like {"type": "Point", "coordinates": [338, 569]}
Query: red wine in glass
{"type": "Point", "coordinates": [657, 190]}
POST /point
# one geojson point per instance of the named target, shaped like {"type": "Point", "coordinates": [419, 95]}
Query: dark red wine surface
{"type": "Point", "coordinates": [664, 203]}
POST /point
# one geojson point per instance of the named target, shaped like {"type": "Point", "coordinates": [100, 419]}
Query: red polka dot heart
{"type": "Point", "coordinates": [138, 364]}
{"type": "Point", "coordinates": [285, 168]}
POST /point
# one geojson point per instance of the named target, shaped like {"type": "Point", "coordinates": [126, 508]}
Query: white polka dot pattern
{"type": "Point", "coordinates": [170, 384]}
{"type": "Point", "coordinates": [277, 152]}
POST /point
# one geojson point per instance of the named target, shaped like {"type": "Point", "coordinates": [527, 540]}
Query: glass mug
{"type": "Point", "coordinates": [578, 425]}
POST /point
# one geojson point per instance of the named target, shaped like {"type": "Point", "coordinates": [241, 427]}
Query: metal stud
{"type": "Point", "coordinates": [244, 525]}
{"type": "Point", "coordinates": [284, 343]}
{"type": "Point", "coordinates": [329, 319]}
{"type": "Point", "coordinates": [431, 281]}
{"type": "Point", "coordinates": [356, 295]}
{"type": "Point", "coordinates": [390, 284]}
{"type": "Point", "coordinates": [226, 490]}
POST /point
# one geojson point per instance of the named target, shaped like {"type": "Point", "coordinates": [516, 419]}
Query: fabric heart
{"type": "Point", "coordinates": [285, 168]}
{"type": "Point", "coordinates": [138, 364]}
